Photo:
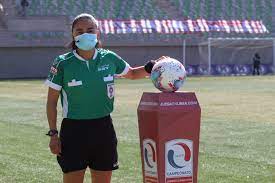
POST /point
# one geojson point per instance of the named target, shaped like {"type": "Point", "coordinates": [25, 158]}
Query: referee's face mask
{"type": "Point", "coordinates": [85, 33]}
{"type": "Point", "coordinates": [86, 41]}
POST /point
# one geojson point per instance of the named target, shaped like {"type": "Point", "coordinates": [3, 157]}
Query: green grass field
{"type": "Point", "coordinates": [237, 130]}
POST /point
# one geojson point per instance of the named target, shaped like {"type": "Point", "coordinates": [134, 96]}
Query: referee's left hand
{"type": "Point", "coordinates": [55, 145]}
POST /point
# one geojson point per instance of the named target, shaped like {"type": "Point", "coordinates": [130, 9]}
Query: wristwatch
{"type": "Point", "coordinates": [52, 133]}
{"type": "Point", "coordinates": [149, 66]}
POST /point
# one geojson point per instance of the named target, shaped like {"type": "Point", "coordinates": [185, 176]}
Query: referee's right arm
{"type": "Point", "coordinates": [54, 81]}
{"type": "Point", "coordinates": [53, 96]}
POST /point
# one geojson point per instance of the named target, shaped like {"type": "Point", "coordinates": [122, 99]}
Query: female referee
{"type": "Point", "coordinates": [84, 78]}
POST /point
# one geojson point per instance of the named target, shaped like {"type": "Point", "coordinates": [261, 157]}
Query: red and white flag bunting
{"type": "Point", "coordinates": [181, 26]}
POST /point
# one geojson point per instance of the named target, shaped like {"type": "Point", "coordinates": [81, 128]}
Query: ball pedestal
{"type": "Point", "coordinates": [169, 128]}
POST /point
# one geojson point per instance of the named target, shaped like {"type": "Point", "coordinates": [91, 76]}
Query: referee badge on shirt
{"type": "Point", "coordinates": [111, 90]}
{"type": "Point", "coordinates": [74, 83]}
{"type": "Point", "coordinates": [108, 78]}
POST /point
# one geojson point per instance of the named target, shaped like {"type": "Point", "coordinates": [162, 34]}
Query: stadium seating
{"type": "Point", "coordinates": [140, 9]}
{"type": "Point", "coordinates": [227, 9]}
{"type": "Point", "coordinates": [103, 9]}
{"type": "Point", "coordinates": [150, 9]}
{"type": "Point", "coordinates": [121, 9]}
{"type": "Point", "coordinates": [212, 9]}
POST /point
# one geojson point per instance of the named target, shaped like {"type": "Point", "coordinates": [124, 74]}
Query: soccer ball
{"type": "Point", "coordinates": [168, 75]}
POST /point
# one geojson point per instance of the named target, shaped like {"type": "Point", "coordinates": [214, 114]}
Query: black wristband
{"type": "Point", "coordinates": [149, 66]}
{"type": "Point", "coordinates": [52, 133]}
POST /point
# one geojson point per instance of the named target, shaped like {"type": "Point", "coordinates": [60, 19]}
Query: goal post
{"type": "Point", "coordinates": [229, 56]}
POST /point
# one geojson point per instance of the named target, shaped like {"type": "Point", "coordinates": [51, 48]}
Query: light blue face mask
{"type": "Point", "coordinates": [86, 41]}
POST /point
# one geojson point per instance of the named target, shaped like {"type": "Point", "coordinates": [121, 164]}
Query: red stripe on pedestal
{"type": "Point", "coordinates": [179, 180]}
{"type": "Point", "coordinates": [151, 179]}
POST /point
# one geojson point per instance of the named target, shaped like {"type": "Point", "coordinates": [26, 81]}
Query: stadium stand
{"type": "Point", "coordinates": [150, 9]}
{"type": "Point", "coordinates": [229, 9]}
{"type": "Point", "coordinates": [46, 23]}
{"type": "Point", "coordinates": [104, 9]}
{"type": "Point", "coordinates": [48, 10]}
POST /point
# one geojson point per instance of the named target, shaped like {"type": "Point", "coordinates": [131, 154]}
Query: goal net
{"type": "Point", "coordinates": [229, 56]}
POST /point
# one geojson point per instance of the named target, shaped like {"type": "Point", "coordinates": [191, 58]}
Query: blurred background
{"type": "Point", "coordinates": [211, 37]}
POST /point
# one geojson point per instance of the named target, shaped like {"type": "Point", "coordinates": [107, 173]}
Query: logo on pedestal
{"type": "Point", "coordinates": [150, 161]}
{"type": "Point", "coordinates": [179, 161]}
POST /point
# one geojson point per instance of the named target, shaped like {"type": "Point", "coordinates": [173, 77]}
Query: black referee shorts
{"type": "Point", "coordinates": [88, 143]}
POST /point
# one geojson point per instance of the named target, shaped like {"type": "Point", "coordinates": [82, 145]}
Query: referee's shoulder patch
{"type": "Point", "coordinates": [53, 70]}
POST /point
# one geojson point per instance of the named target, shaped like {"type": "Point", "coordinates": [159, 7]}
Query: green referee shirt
{"type": "Point", "coordinates": [87, 86]}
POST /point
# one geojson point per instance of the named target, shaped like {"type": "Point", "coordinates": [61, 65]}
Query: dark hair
{"type": "Point", "coordinates": [84, 16]}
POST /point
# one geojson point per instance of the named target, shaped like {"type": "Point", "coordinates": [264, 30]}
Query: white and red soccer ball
{"type": "Point", "coordinates": [168, 75]}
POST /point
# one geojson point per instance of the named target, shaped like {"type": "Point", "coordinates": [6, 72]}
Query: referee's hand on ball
{"type": "Point", "coordinates": [55, 145]}
{"type": "Point", "coordinates": [149, 65]}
